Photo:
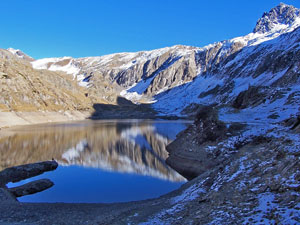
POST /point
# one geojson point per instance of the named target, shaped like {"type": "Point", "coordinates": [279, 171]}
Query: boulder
{"type": "Point", "coordinates": [18, 173]}
{"type": "Point", "coordinates": [22, 172]}
{"type": "Point", "coordinates": [31, 187]}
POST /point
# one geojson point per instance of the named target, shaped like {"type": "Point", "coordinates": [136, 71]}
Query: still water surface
{"type": "Point", "coordinates": [99, 161]}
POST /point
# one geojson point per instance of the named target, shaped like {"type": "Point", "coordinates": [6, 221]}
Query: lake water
{"type": "Point", "coordinates": [99, 161]}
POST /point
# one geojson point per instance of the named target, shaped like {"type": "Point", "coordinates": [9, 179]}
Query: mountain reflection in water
{"type": "Point", "coordinates": [129, 146]}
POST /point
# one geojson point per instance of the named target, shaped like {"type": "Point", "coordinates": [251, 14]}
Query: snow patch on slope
{"type": "Point", "coordinates": [172, 102]}
{"type": "Point", "coordinates": [50, 64]}
{"type": "Point", "coordinates": [20, 54]}
{"type": "Point", "coordinates": [267, 206]}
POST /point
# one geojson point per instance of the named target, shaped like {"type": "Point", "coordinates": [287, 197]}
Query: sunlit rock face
{"type": "Point", "coordinates": [122, 147]}
{"type": "Point", "coordinates": [175, 77]}
{"type": "Point", "coordinates": [172, 78]}
{"type": "Point", "coordinates": [26, 89]}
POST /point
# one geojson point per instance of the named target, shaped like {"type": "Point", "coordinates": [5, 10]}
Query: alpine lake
{"type": "Point", "coordinates": [100, 161]}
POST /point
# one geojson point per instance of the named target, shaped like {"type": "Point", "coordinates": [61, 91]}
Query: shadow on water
{"type": "Point", "coordinates": [124, 109]}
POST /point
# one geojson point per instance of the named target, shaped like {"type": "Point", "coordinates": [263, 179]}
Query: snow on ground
{"type": "Point", "coordinates": [51, 64]}
{"type": "Point", "coordinates": [173, 101]}
{"type": "Point", "coordinates": [269, 210]}
{"type": "Point", "coordinates": [177, 204]}
{"type": "Point", "coordinates": [71, 68]}
{"type": "Point", "coordinates": [44, 63]}
{"type": "Point", "coordinates": [132, 96]}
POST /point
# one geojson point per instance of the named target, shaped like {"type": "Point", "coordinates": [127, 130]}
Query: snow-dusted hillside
{"type": "Point", "coordinates": [174, 77]}
{"type": "Point", "coordinates": [273, 65]}
{"type": "Point", "coordinates": [269, 60]}
{"type": "Point", "coordinates": [125, 69]}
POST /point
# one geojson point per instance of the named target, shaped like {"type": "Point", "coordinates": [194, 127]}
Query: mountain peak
{"type": "Point", "coordinates": [20, 54]}
{"type": "Point", "coordinates": [282, 14]}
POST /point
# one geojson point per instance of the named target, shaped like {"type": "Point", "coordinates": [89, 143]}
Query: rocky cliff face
{"type": "Point", "coordinates": [282, 15]}
{"type": "Point", "coordinates": [269, 60]}
{"type": "Point", "coordinates": [143, 73]}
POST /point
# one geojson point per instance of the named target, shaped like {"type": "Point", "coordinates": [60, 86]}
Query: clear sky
{"type": "Point", "coordinates": [53, 28]}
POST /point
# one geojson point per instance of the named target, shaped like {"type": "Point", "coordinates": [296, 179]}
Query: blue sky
{"type": "Point", "coordinates": [44, 28]}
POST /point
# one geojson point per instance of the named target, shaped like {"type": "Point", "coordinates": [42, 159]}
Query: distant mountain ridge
{"type": "Point", "coordinates": [175, 78]}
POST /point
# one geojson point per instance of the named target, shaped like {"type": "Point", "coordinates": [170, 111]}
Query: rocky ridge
{"type": "Point", "coordinates": [176, 78]}
{"type": "Point", "coordinates": [158, 75]}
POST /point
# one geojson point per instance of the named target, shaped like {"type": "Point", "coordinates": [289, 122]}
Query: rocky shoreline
{"type": "Point", "coordinates": [238, 178]}
{"type": "Point", "coordinates": [244, 176]}
{"type": "Point", "coordinates": [14, 212]}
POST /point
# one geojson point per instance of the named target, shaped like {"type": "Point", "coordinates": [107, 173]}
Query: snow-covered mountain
{"type": "Point", "coordinates": [279, 17]}
{"type": "Point", "coordinates": [138, 71]}
{"type": "Point", "coordinates": [176, 77]}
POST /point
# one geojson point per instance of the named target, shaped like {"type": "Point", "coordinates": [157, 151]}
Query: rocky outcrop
{"type": "Point", "coordinates": [282, 14]}
{"type": "Point", "coordinates": [18, 173]}
{"type": "Point", "coordinates": [31, 187]}
{"type": "Point", "coordinates": [253, 96]}
{"type": "Point", "coordinates": [246, 173]}
{"type": "Point", "coordinates": [188, 154]}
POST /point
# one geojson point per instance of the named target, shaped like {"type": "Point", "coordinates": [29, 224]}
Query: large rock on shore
{"type": "Point", "coordinates": [22, 172]}
{"type": "Point", "coordinates": [188, 153]}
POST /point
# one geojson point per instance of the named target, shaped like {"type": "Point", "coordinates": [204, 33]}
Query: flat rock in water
{"type": "Point", "coordinates": [18, 173]}
{"type": "Point", "coordinates": [31, 187]}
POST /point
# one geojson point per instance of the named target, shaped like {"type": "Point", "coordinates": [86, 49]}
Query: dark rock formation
{"type": "Point", "coordinates": [209, 126]}
{"type": "Point", "coordinates": [296, 124]}
{"type": "Point", "coordinates": [6, 196]}
{"type": "Point", "coordinates": [188, 154]}
{"type": "Point", "coordinates": [31, 187]}
{"type": "Point", "coordinates": [18, 173]}
{"type": "Point", "coordinates": [282, 14]}
{"type": "Point", "coordinates": [252, 96]}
